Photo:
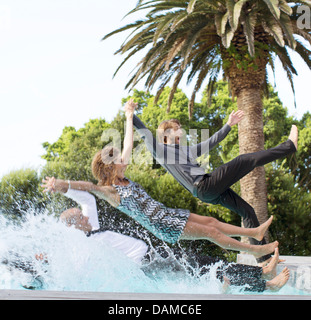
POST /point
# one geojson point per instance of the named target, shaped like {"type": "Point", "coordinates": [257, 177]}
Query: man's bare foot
{"type": "Point", "coordinates": [261, 230]}
{"type": "Point", "coordinates": [269, 271]}
{"type": "Point", "coordinates": [226, 285]}
{"type": "Point", "coordinates": [279, 281]}
{"type": "Point", "coordinates": [293, 136]}
{"type": "Point", "coordinates": [265, 263]}
{"type": "Point", "coordinates": [259, 251]}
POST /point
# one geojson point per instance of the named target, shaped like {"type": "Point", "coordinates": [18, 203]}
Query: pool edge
{"type": "Point", "coordinates": [76, 295]}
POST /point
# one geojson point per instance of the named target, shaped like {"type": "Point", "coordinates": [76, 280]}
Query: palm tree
{"type": "Point", "coordinates": [200, 39]}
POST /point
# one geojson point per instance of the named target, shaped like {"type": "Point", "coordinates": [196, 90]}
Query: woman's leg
{"type": "Point", "coordinates": [231, 230]}
{"type": "Point", "coordinates": [195, 231]}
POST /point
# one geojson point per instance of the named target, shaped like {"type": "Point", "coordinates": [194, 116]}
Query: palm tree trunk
{"type": "Point", "coordinates": [251, 139]}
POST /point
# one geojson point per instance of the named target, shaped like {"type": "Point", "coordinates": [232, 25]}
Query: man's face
{"type": "Point", "coordinates": [76, 218]}
{"type": "Point", "coordinates": [174, 135]}
{"type": "Point", "coordinates": [83, 223]}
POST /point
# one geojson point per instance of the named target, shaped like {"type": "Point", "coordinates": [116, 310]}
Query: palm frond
{"type": "Point", "coordinates": [273, 28]}
{"type": "Point", "coordinates": [205, 37]}
{"type": "Point", "coordinates": [285, 7]}
{"type": "Point", "coordinates": [249, 28]}
{"type": "Point", "coordinates": [304, 53]}
{"type": "Point", "coordinates": [273, 6]}
{"type": "Point", "coordinates": [191, 6]}
{"type": "Point", "coordinates": [237, 12]}
{"type": "Point", "coordinates": [286, 24]}
{"type": "Point", "coordinates": [173, 90]}
{"type": "Point", "coordinates": [127, 27]}
{"type": "Point", "coordinates": [288, 67]}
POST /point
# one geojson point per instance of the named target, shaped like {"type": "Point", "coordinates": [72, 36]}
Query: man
{"type": "Point", "coordinates": [212, 187]}
{"type": "Point", "coordinates": [87, 220]}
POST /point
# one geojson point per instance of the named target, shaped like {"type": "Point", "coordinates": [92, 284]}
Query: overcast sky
{"type": "Point", "coordinates": [55, 71]}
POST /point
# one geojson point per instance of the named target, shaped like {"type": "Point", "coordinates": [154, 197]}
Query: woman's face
{"type": "Point", "coordinates": [120, 167]}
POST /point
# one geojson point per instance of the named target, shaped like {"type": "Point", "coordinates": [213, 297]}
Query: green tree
{"type": "Point", "coordinates": [71, 155]}
{"type": "Point", "coordinates": [202, 38]}
{"type": "Point", "coordinates": [301, 166]}
{"type": "Point", "coordinates": [19, 192]}
{"type": "Point", "coordinates": [290, 205]}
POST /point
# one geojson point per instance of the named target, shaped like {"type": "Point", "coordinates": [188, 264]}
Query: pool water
{"type": "Point", "coordinates": [79, 263]}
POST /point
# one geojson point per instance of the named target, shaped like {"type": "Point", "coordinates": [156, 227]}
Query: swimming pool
{"type": "Point", "coordinates": [79, 263]}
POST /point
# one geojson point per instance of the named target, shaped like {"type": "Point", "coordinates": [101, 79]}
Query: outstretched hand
{"type": "Point", "coordinates": [130, 107]}
{"type": "Point", "coordinates": [49, 184]}
{"type": "Point", "coordinates": [235, 117]}
{"type": "Point", "coordinates": [54, 185]}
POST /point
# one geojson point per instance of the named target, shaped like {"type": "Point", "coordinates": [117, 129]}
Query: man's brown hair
{"type": "Point", "coordinates": [165, 127]}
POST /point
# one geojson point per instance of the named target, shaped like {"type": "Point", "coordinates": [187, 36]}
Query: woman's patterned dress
{"type": "Point", "coordinates": [165, 223]}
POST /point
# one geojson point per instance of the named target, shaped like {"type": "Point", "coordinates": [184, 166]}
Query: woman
{"type": "Point", "coordinates": [167, 224]}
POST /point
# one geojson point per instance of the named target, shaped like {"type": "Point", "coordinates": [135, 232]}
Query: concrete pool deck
{"type": "Point", "coordinates": [300, 279]}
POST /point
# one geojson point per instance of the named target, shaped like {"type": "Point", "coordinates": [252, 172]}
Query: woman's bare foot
{"type": "Point", "coordinates": [279, 281]}
{"type": "Point", "coordinates": [261, 230]}
{"type": "Point", "coordinates": [293, 136]}
{"type": "Point", "coordinates": [259, 251]}
{"type": "Point", "coordinates": [269, 271]}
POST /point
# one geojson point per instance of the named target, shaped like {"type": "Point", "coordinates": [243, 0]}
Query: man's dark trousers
{"type": "Point", "coordinates": [215, 187]}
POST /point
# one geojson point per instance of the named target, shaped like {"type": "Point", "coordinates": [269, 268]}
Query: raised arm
{"type": "Point", "coordinates": [129, 132]}
{"type": "Point", "coordinates": [156, 149]}
{"type": "Point", "coordinates": [210, 143]}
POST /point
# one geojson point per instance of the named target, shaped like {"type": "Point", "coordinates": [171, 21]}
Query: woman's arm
{"type": "Point", "coordinates": [57, 185]}
{"type": "Point", "coordinates": [129, 132]}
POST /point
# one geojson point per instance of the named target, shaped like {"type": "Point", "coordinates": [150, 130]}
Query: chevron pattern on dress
{"type": "Point", "coordinates": [165, 223]}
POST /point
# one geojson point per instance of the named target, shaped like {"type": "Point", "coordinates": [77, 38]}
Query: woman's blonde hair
{"type": "Point", "coordinates": [167, 125]}
{"type": "Point", "coordinates": [103, 166]}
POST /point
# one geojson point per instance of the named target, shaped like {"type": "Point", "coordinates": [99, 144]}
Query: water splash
{"type": "Point", "coordinates": [80, 263]}
{"type": "Point", "coordinates": [76, 262]}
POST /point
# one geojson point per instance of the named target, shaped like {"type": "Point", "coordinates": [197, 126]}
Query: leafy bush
{"type": "Point", "coordinates": [19, 192]}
